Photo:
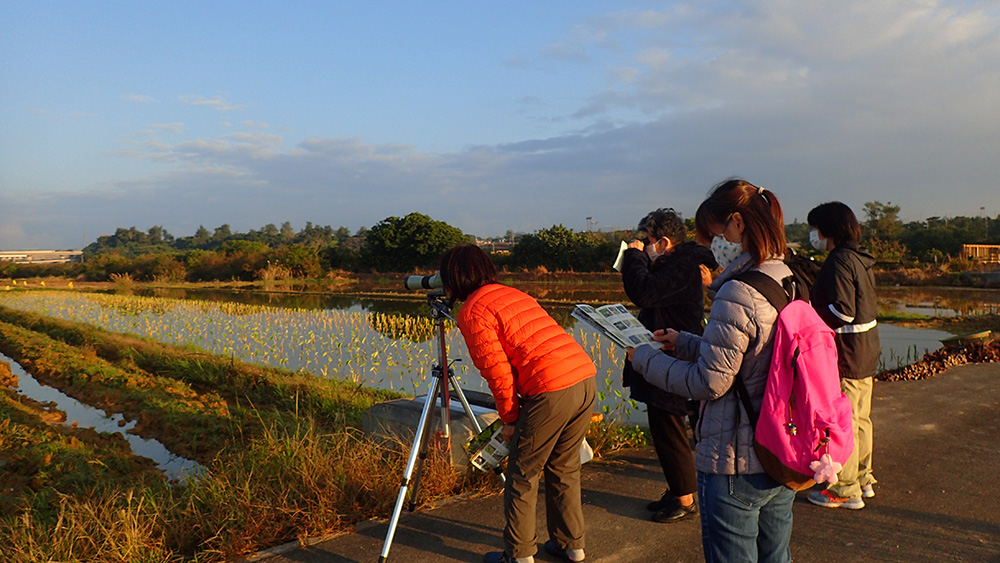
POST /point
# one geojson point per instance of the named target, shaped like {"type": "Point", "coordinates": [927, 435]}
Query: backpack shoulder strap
{"type": "Point", "coordinates": [776, 296]}
{"type": "Point", "coordinates": [765, 284]}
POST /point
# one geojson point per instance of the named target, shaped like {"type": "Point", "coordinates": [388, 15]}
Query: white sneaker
{"type": "Point", "coordinates": [867, 491]}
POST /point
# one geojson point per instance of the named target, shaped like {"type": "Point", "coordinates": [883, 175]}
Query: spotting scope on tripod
{"type": "Point", "coordinates": [441, 379]}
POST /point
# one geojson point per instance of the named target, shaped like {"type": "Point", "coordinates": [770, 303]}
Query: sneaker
{"type": "Point", "coordinates": [830, 500]}
{"type": "Point", "coordinates": [555, 551]}
{"type": "Point", "coordinates": [675, 512]}
{"type": "Point", "coordinates": [867, 491]}
{"type": "Point", "coordinates": [657, 505]}
{"type": "Point", "coordinates": [497, 557]}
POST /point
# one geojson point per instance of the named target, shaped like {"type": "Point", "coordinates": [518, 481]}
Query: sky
{"type": "Point", "coordinates": [487, 116]}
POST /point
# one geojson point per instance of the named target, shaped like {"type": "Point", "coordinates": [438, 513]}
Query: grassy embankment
{"type": "Point", "coordinates": [283, 453]}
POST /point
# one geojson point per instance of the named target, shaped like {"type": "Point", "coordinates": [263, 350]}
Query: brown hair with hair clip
{"type": "Point", "coordinates": [763, 219]}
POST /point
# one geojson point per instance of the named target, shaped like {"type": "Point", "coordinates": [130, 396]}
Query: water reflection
{"type": "Point", "coordinates": [173, 466]}
{"type": "Point", "coordinates": [938, 301]}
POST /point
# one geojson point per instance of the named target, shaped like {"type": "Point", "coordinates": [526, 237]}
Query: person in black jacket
{"type": "Point", "coordinates": [844, 296]}
{"type": "Point", "coordinates": [665, 277]}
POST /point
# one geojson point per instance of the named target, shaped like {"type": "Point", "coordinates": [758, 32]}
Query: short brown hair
{"type": "Point", "coordinates": [762, 216]}
{"type": "Point", "coordinates": [464, 269]}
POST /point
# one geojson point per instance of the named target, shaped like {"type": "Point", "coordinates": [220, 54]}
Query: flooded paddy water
{"type": "Point", "coordinates": [78, 414]}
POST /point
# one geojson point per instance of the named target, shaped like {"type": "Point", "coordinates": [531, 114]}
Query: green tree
{"type": "Point", "coordinates": [201, 237]}
{"type": "Point", "coordinates": [408, 243]}
{"type": "Point", "coordinates": [222, 233]}
{"type": "Point", "coordinates": [882, 220]}
{"type": "Point", "coordinates": [561, 248]}
{"type": "Point", "coordinates": [301, 261]}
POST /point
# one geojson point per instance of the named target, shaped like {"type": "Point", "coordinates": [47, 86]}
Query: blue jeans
{"type": "Point", "coordinates": [745, 518]}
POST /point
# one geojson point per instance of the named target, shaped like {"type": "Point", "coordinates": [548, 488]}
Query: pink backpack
{"type": "Point", "coordinates": [804, 414]}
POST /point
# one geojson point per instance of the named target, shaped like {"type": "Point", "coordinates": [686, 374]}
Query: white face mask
{"type": "Point", "coordinates": [816, 241]}
{"type": "Point", "coordinates": [650, 249]}
{"type": "Point", "coordinates": [724, 251]}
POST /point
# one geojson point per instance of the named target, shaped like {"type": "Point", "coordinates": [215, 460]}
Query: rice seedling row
{"type": "Point", "coordinates": [375, 350]}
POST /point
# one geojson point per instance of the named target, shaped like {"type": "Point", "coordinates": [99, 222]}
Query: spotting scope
{"type": "Point", "coordinates": [423, 282]}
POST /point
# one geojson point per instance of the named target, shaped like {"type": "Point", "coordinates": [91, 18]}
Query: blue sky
{"type": "Point", "coordinates": [515, 115]}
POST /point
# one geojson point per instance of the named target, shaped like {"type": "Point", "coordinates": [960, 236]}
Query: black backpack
{"type": "Point", "coordinates": [804, 271]}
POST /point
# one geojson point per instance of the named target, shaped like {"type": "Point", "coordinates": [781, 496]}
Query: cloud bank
{"type": "Point", "coordinates": [851, 101]}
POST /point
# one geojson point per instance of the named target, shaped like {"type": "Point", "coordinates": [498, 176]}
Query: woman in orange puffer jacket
{"type": "Point", "coordinates": [543, 383]}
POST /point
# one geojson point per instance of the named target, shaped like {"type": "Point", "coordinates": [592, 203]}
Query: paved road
{"type": "Point", "coordinates": [937, 449]}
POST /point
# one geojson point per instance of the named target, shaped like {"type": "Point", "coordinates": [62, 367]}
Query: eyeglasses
{"type": "Point", "coordinates": [726, 227]}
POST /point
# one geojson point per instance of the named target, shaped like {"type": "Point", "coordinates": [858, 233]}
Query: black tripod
{"type": "Point", "coordinates": [441, 379]}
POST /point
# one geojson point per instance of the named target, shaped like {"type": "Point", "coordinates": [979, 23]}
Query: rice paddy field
{"type": "Point", "coordinates": [264, 401]}
{"type": "Point", "coordinates": [378, 350]}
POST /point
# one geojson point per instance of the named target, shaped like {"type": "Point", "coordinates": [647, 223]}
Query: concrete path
{"type": "Point", "coordinates": [937, 450]}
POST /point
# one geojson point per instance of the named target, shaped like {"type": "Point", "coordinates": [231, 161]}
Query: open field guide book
{"type": "Point", "coordinates": [615, 322]}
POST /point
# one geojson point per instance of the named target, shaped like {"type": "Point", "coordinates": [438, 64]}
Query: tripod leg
{"type": "Point", "coordinates": [440, 388]}
{"type": "Point", "coordinates": [472, 417]}
{"type": "Point", "coordinates": [419, 444]}
{"type": "Point", "coordinates": [465, 403]}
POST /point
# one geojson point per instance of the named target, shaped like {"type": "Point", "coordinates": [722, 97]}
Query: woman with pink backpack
{"type": "Point", "coordinates": [745, 514]}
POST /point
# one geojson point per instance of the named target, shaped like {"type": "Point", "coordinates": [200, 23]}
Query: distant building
{"type": "Point", "coordinates": [41, 256]}
{"type": "Point", "coordinates": [981, 252]}
{"type": "Point", "coordinates": [495, 247]}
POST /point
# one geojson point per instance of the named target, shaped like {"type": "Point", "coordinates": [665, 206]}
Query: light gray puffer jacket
{"type": "Point", "coordinates": [739, 337]}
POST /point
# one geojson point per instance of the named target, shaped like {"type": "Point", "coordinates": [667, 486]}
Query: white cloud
{"type": "Point", "coordinates": [138, 98]}
{"type": "Point", "coordinates": [217, 103]}
{"type": "Point", "coordinates": [168, 127]}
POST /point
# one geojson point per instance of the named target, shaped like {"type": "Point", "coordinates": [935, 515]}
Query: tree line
{"type": "Point", "coordinates": [413, 243]}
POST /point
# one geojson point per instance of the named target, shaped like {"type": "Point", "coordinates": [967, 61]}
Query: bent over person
{"type": "Point", "coordinates": [543, 383]}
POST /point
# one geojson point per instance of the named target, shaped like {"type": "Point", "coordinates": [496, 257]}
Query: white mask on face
{"type": "Point", "coordinates": [724, 251]}
{"type": "Point", "coordinates": [816, 241]}
{"type": "Point", "coordinates": [650, 249]}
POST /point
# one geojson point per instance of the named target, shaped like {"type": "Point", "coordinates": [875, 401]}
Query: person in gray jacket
{"type": "Point", "coordinates": [745, 514]}
{"type": "Point", "coordinates": [844, 296]}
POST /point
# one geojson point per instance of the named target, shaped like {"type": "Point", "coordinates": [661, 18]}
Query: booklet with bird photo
{"type": "Point", "coordinates": [615, 322]}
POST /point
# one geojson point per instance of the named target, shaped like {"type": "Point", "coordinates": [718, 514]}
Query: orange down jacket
{"type": "Point", "coordinates": [518, 348]}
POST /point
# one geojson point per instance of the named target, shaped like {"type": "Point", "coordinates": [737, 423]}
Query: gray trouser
{"type": "Point", "coordinates": [547, 439]}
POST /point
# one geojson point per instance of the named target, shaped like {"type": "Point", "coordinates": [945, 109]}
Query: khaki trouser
{"type": "Point", "coordinates": [857, 471]}
{"type": "Point", "coordinates": [547, 439]}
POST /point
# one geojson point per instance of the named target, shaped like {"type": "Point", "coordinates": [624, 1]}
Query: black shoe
{"type": "Point", "coordinates": [497, 557]}
{"type": "Point", "coordinates": [676, 513]}
{"type": "Point", "coordinates": [657, 505]}
{"type": "Point", "coordinates": [555, 551]}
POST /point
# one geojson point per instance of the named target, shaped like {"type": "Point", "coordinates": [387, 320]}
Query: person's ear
{"type": "Point", "coordinates": [738, 221]}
